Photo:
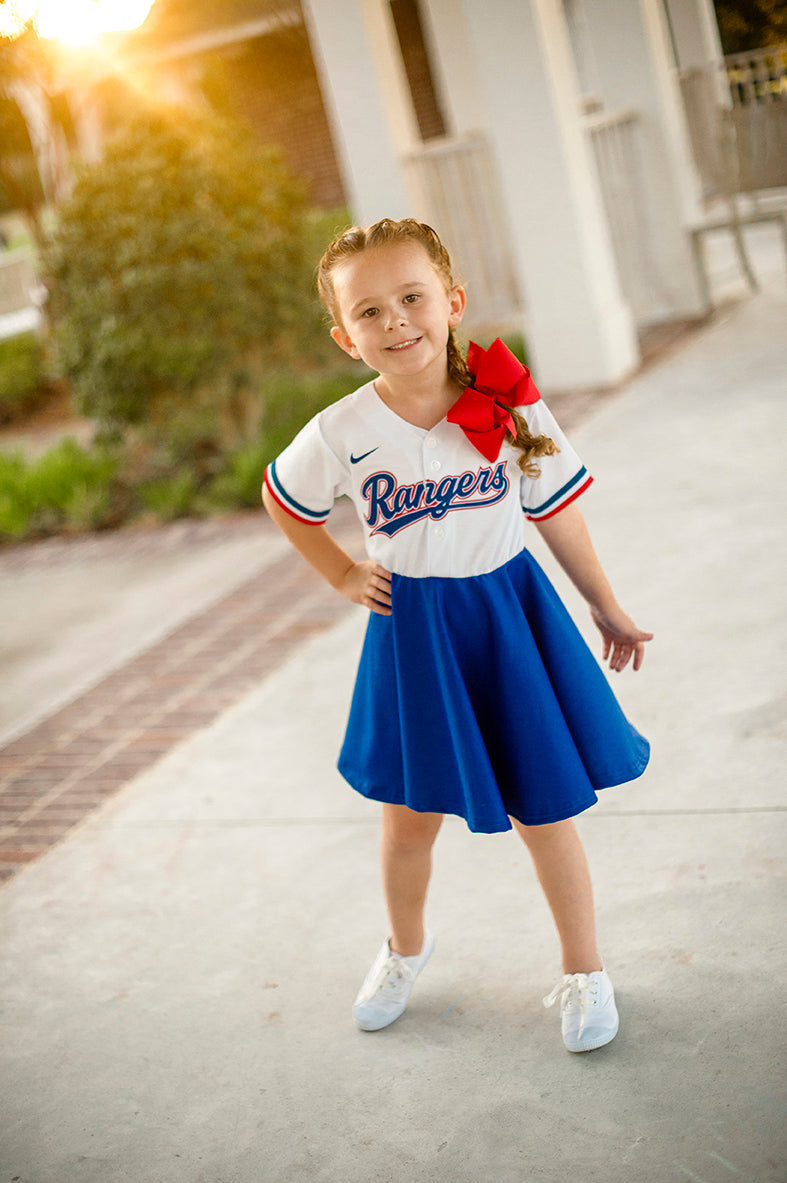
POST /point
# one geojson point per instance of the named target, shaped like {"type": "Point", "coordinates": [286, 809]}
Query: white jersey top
{"type": "Point", "coordinates": [429, 502]}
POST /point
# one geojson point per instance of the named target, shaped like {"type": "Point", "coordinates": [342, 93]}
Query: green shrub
{"type": "Point", "coordinates": [170, 497]}
{"type": "Point", "coordinates": [88, 505]}
{"type": "Point", "coordinates": [66, 488]}
{"type": "Point", "coordinates": [16, 505]}
{"type": "Point", "coordinates": [179, 272]}
{"type": "Point", "coordinates": [239, 485]}
{"type": "Point", "coordinates": [21, 376]}
{"type": "Point", "coordinates": [289, 402]}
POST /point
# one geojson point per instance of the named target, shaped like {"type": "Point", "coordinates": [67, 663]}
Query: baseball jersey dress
{"type": "Point", "coordinates": [478, 695]}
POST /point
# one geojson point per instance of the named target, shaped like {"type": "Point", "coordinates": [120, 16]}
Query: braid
{"type": "Point", "coordinates": [528, 445]}
{"type": "Point", "coordinates": [356, 240]}
{"type": "Point", "coordinates": [457, 364]}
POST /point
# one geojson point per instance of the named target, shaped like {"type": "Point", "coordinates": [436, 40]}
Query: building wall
{"type": "Point", "coordinates": [265, 76]}
{"type": "Point", "coordinates": [271, 83]}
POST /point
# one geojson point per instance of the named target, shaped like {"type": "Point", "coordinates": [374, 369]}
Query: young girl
{"type": "Point", "coordinates": [476, 694]}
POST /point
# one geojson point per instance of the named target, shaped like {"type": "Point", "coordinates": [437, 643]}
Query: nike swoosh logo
{"type": "Point", "coordinates": [358, 459]}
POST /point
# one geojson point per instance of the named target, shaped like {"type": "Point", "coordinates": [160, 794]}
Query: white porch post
{"type": "Point", "coordinates": [695, 33]}
{"type": "Point", "coordinates": [579, 329]}
{"type": "Point", "coordinates": [363, 86]}
{"type": "Point", "coordinates": [453, 64]}
{"type": "Point", "coordinates": [632, 55]}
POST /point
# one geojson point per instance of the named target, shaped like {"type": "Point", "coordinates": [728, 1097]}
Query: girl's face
{"type": "Point", "coordinates": [395, 310]}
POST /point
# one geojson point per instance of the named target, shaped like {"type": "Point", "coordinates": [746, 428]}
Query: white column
{"type": "Point", "coordinates": [453, 65]}
{"type": "Point", "coordinates": [579, 329]}
{"type": "Point", "coordinates": [695, 35]}
{"type": "Point", "coordinates": [635, 71]}
{"type": "Point", "coordinates": [362, 82]}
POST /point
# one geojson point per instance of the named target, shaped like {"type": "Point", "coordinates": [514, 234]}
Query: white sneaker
{"type": "Point", "coordinates": [385, 993]}
{"type": "Point", "coordinates": [589, 1017]}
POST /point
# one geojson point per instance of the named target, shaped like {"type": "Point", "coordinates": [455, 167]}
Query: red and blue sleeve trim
{"type": "Point", "coordinates": [570, 491]}
{"type": "Point", "coordinates": [289, 504]}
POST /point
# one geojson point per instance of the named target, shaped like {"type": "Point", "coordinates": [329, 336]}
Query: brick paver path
{"type": "Point", "coordinates": [60, 770]}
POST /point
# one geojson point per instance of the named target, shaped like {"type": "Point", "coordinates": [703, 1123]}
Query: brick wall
{"type": "Point", "coordinates": [272, 84]}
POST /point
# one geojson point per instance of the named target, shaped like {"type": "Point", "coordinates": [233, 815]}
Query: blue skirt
{"type": "Point", "coordinates": [479, 697]}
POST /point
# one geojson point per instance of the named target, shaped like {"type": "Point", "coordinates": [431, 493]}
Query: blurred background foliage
{"type": "Point", "coordinates": [22, 378]}
{"type": "Point", "coordinates": [182, 315]}
{"type": "Point", "coordinates": [745, 25]}
{"type": "Point", "coordinates": [179, 272]}
{"type": "Point", "coordinates": [181, 322]}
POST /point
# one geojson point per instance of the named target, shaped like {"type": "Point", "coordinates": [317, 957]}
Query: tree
{"type": "Point", "coordinates": [178, 271]}
{"type": "Point", "coordinates": [751, 24]}
{"type": "Point", "coordinates": [20, 183]}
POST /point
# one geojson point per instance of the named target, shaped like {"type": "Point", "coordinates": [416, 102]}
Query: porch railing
{"type": "Point", "coordinates": [757, 77]}
{"type": "Point", "coordinates": [701, 104]}
{"type": "Point", "coordinates": [615, 140]}
{"type": "Point", "coordinates": [740, 148]}
{"type": "Point", "coordinates": [458, 194]}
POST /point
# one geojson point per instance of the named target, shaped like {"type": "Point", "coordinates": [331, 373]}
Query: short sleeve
{"type": "Point", "coordinates": [563, 477]}
{"type": "Point", "coordinates": [307, 477]}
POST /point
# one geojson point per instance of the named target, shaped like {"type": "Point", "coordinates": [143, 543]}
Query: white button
{"type": "Point", "coordinates": [439, 532]}
{"type": "Point", "coordinates": [436, 464]}
{"type": "Point", "coordinates": [431, 443]}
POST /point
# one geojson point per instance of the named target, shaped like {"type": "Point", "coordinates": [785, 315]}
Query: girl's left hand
{"type": "Point", "coordinates": [622, 639]}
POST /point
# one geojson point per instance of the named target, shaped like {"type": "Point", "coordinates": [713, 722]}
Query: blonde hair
{"type": "Point", "coordinates": [386, 232]}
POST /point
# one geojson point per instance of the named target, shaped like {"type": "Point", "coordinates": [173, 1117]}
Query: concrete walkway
{"type": "Point", "coordinates": [177, 974]}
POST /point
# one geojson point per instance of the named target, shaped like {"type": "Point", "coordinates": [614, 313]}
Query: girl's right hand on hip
{"type": "Point", "coordinates": [368, 584]}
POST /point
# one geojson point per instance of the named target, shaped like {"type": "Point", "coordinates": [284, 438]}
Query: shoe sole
{"type": "Point", "coordinates": [367, 1026]}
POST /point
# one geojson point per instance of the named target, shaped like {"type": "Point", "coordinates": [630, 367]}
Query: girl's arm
{"type": "Point", "coordinates": [364, 583]}
{"type": "Point", "coordinates": [567, 537]}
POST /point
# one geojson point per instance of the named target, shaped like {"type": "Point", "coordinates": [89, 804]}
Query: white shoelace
{"type": "Point", "coordinates": [393, 974]}
{"type": "Point", "coordinates": [574, 989]}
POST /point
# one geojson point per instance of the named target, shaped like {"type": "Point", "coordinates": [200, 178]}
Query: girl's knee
{"type": "Point", "coordinates": [407, 832]}
{"type": "Point", "coordinates": [537, 836]}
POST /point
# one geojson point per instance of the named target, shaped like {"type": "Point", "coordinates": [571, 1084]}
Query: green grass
{"type": "Point", "coordinates": [65, 489]}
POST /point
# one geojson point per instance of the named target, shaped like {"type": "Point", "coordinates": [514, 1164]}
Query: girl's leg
{"type": "Point", "coordinates": [564, 875]}
{"type": "Point", "coordinates": [406, 850]}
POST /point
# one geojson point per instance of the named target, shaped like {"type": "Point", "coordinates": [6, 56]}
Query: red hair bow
{"type": "Point", "coordinates": [497, 374]}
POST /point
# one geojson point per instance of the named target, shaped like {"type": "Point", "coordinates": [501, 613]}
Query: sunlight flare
{"type": "Point", "coordinates": [78, 22]}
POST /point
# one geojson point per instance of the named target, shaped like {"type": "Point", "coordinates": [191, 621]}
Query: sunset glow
{"type": "Point", "coordinates": [76, 22]}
